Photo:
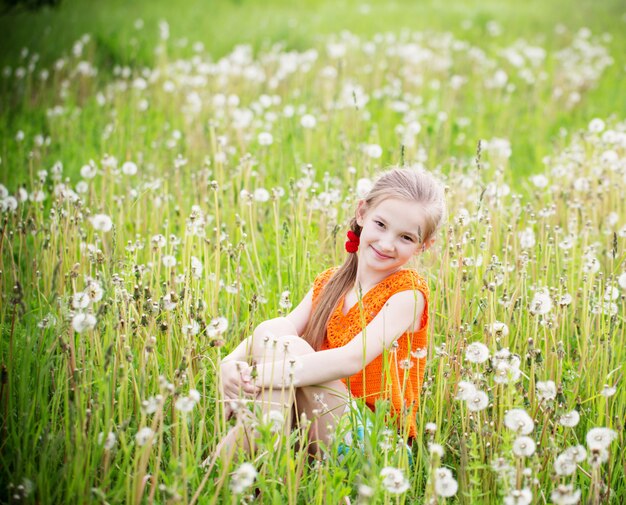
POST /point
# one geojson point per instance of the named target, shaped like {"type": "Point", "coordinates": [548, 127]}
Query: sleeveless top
{"type": "Point", "coordinates": [397, 374]}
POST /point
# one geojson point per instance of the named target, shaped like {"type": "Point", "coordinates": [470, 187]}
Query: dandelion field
{"type": "Point", "coordinates": [155, 209]}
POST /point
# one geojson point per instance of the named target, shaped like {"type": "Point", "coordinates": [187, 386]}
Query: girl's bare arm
{"type": "Point", "coordinates": [402, 311]}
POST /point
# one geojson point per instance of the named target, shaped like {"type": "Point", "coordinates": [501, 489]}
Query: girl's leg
{"type": "Point", "coordinates": [322, 404]}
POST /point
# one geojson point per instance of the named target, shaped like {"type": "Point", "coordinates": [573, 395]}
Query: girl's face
{"type": "Point", "coordinates": [392, 234]}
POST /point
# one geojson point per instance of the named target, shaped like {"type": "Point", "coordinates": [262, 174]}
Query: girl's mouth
{"type": "Point", "coordinates": [379, 254]}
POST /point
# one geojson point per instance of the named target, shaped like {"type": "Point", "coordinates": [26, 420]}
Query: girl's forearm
{"type": "Point", "coordinates": [309, 369]}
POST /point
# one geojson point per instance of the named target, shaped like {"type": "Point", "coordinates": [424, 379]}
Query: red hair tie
{"type": "Point", "coordinates": [352, 244]}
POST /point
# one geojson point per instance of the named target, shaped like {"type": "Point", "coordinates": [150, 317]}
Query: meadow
{"type": "Point", "coordinates": [169, 178]}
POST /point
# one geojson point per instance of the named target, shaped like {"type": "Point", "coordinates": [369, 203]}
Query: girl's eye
{"type": "Point", "coordinates": [379, 224]}
{"type": "Point", "coordinates": [407, 237]}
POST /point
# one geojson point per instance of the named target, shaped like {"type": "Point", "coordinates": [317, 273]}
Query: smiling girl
{"type": "Point", "coordinates": [360, 331]}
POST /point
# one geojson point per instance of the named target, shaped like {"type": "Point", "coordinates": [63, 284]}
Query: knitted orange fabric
{"type": "Point", "coordinates": [397, 376]}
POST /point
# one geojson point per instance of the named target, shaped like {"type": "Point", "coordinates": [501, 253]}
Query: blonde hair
{"type": "Point", "coordinates": [399, 183]}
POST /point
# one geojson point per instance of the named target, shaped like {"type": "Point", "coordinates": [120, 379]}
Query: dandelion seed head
{"type": "Point", "coordinates": [101, 222]}
{"type": "Point", "coordinates": [570, 419]}
{"type": "Point", "coordinates": [524, 446]}
{"type": "Point", "coordinates": [600, 438]}
{"type": "Point", "coordinates": [519, 421]}
{"type": "Point", "coordinates": [394, 480]}
{"type": "Point", "coordinates": [477, 352]}
{"type": "Point", "coordinates": [144, 435]}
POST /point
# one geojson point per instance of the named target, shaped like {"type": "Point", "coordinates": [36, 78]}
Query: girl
{"type": "Point", "coordinates": [362, 326]}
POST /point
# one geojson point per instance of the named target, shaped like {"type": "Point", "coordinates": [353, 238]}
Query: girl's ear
{"type": "Point", "coordinates": [360, 212]}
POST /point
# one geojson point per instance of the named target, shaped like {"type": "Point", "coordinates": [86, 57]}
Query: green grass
{"type": "Point", "coordinates": [61, 389]}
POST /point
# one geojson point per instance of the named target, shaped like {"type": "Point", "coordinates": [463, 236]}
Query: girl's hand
{"type": "Point", "coordinates": [236, 379]}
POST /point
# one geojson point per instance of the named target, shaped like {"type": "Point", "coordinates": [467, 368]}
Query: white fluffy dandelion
{"type": "Point", "coordinates": [477, 352]}
{"type": "Point", "coordinates": [600, 438]}
{"type": "Point", "coordinates": [101, 222]}
{"type": "Point", "coordinates": [524, 446]}
{"type": "Point", "coordinates": [217, 326]}
{"type": "Point", "coordinates": [477, 401]}
{"type": "Point", "coordinates": [242, 478]}
{"type": "Point", "coordinates": [519, 421]}
{"type": "Point", "coordinates": [445, 484]}
{"type": "Point", "coordinates": [129, 168]}
{"type": "Point", "coordinates": [144, 435]}
{"type": "Point", "coordinates": [546, 390]}
{"type": "Point", "coordinates": [522, 496]}
{"type": "Point", "coordinates": [570, 419]}
{"type": "Point", "coordinates": [394, 480]}
{"type": "Point", "coordinates": [541, 303]}
{"type": "Point", "coordinates": [83, 322]}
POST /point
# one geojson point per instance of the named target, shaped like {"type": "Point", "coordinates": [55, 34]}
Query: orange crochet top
{"type": "Point", "coordinates": [397, 376]}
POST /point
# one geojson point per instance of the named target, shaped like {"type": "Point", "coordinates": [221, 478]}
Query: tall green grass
{"type": "Point", "coordinates": [65, 388]}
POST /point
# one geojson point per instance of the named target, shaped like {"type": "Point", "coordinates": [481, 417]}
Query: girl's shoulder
{"type": "Point", "coordinates": [405, 280]}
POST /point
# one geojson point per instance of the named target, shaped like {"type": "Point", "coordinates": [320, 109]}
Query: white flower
{"type": "Point", "coordinates": [101, 222]}
{"type": "Point", "coordinates": [546, 390]}
{"type": "Point", "coordinates": [600, 438]}
{"type": "Point", "coordinates": [9, 203]}
{"type": "Point", "coordinates": [524, 446]}
{"type": "Point", "coordinates": [519, 421]}
{"type": "Point", "coordinates": [541, 303]}
{"type": "Point", "coordinates": [194, 395]}
{"type": "Point", "coordinates": [80, 300]}
{"type": "Point", "coordinates": [540, 181]}
{"type": "Point", "coordinates": [498, 329]}
{"type": "Point", "coordinates": [477, 401]}
{"type": "Point", "coordinates": [527, 238]}
{"type": "Point", "coordinates": [184, 404]}
{"type": "Point", "coordinates": [477, 352]}
{"type": "Point", "coordinates": [152, 404]}
{"type": "Point", "coordinates": [419, 353]}
{"type": "Point", "coordinates": [285, 301]}
{"type": "Point", "coordinates": [265, 139]}
{"type": "Point", "coordinates": [308, 121]}
{"type": "Point", "coordinates": [621, 280]}
{"type": "Point", "coordinates": [445, 484]}
{"type": "Point", "coordinates": [565, 494]}
{"type": "Point", "coordinates": [88, 171]}
{"type": "Point", "coordinates": [169, 261]}
{"type": "Point", "coordinates": [394, 480]}
{"type": "Point", "coordinates": [364, 186]}
{"type": "Point", "coordinates": [242, 478]}
{"type": "Point", "coordinates": [144, 435]}
{"type": "Point", "coordinates": [129, 168]}
{"type": "Point", "coordinates": [435, 449]}
{"type": "Point", "coordinates": [570, 419]}
{"type": "Point", "coordinates": [217, 326]}
{"type": "Point", "coordinates": [94, 291]}
{"type": "Point", "coordinates": [107, 442]}
{"type": "Point", "coordinates": [564, 465]}
{"type": "Point", "coordinates": [261, 195]}
{"type": "Point", "coordinates": [274, 420]}
{"type": "Point", "coordinates": [83, 322]}
{"type": "Point", "coordinates": [191, 329]}
{"type": "Point", "coordinates": [373, 151]}
{"type": "Point", "coordinates": [465, 390]}
{"type": "Point", "coordinates": [158, 241]}
{"type": "Point", "coordinates": [565, 300]}
{"type": "Point", "coordinates": [608, 390]}
{"type": "Point", "coordinates": [596, 125]}
{"type": "Point", "coordinates": [196, 267]}
{"type": "Point", "coordinates": [577, 453]}
{"type": "Point", "coordinates": [507, 372]}
{"type": "Point", "coordinates": [519, 497]}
